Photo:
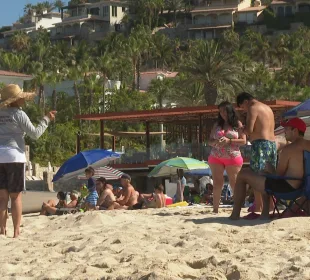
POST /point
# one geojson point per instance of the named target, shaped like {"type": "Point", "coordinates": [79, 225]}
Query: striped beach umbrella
{"type": "Point", "coordinates": [170, 166]}
{"type": "Point", "coordinates": [106, 171]}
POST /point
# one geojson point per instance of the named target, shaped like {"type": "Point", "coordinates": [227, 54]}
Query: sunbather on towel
{"type": "Point", "coordinates": [290, 164]}
{"type": "Point", "coordinates": [53, 209]}
{"type": "Point", "coordinates": [130, 196]}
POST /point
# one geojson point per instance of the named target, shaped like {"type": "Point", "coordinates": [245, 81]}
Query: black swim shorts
{"type": "Point", "coordinates": [12, 177]}
{"type": "Point", "coordinates": [278, 185]}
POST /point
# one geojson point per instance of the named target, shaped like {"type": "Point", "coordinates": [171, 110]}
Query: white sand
{"type": "Point", "coordinates": [162, 244]}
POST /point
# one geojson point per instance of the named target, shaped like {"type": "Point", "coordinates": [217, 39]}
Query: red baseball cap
{"type": "Point", "coordinates": [295, 123]}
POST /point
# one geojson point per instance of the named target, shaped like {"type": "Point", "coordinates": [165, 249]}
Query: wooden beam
{"type": "Point", "coordinates": [113, 143]}
{"type": "Point", "coordinates": [78, 142]}
{"type": "Point", "coordinates": [200, 154]}
{"type": "Point", "coordinates": [101, 134]}
{"type": "Point", "coordinates": [148, 140]}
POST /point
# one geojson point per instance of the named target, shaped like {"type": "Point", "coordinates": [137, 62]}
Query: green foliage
{"type": "Point", "coordinates": [275, 67]}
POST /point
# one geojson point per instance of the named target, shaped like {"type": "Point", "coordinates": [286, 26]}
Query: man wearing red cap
{"type": "Point", "coordinates": [290, 164]}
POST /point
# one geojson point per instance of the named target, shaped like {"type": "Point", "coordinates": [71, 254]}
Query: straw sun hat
{"type": "Point", "coordinates": [12, 93]}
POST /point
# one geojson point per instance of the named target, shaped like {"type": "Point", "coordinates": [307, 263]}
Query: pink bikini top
{"type": "Point", "coordinates": [229, 151]}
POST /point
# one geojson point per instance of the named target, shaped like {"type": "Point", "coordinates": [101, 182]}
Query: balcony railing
{"type": "Point", "coordinates": [173, 150]}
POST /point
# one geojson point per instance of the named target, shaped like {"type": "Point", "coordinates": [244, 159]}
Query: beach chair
{"type": "Point", "coordinates": [288, 200]}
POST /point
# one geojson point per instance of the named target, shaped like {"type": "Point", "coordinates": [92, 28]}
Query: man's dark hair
{"type": "Point", "coordinates": [301, 133]}
{"type": "Point", "coordinates": [90, 170]}
{"type": "Point", "coordinates": [243, 96]}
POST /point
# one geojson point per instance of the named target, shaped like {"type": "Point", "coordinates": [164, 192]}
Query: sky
{"type": "Point", "coordinates": [11, 10]}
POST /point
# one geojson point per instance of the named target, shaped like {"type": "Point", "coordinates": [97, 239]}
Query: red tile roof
{"type": "Point", "coordinates": [14, 74]}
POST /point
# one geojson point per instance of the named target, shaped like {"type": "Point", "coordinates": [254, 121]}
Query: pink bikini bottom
{"type": "Point", "coordinates": [237, 161]}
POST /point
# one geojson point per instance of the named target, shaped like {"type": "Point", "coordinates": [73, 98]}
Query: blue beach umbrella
{"type": "Point", "coordinates": [76, 165]}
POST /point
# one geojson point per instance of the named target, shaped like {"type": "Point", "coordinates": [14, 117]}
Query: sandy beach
{"type": "Point", "coordinates": [180, 243]}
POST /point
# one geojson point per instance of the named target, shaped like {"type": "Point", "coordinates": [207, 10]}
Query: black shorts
{"type": "Point", "coordinates": [278, 185]}
{"type": "Point", "coordinates": [12, 177]}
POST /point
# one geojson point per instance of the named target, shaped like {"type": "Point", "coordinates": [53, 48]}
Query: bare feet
{"type": "Point", "coordinates": [16, 233]}
{"type": "Point", "coordinates": [264, 217]}
{"type": "Point", "coordinates": [234, 217]}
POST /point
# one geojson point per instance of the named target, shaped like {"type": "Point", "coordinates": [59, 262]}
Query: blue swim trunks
{"type": "Point", "coordinates": [92, 198]}
{"type": "Point", "coordinates": [262, 152]}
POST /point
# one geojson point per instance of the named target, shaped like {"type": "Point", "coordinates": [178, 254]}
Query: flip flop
{"type": "Point", "coordinates": [251, 216]}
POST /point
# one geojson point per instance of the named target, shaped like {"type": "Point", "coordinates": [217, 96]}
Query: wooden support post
{"type": "Point", "coordinates": [113, 143]}
{"type": "Point", "coordinates": [200, 138]}
{"type": "Point", "coordinates": [78, 142]}
{"type": "Point", "coordinates": [148, 142]}
{"type": "Point", "coordinates": [101, 134]}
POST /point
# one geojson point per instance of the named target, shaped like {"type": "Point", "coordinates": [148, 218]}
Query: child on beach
{"type": "Point", "coordinates": [92, 197]}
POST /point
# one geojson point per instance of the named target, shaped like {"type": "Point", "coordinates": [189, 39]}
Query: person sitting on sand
{"type": "Point", "coordinates": [56, 209]}
{"type": "Point", "coordinates": [290, 164]}
{"type": "Point", "coordinates": [153, 200]}
{"type": "Point", "coordinates": [130, 195]}
{"type": "Point", "coordinates": [61, 196]}
{"type": "Point", "coordinates": [101, 184]}
{"type": "Point", "coordinates": [118, 191]}
{"type": "Point", "coordinates": [106, 197]}
{"type": "Point", "coordinates": [92, 197]}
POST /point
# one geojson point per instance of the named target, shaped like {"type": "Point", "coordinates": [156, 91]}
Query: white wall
{"type": "Point", "coordinates": [12, 80]}
{"type": "Point", "coordinates": [47, 22]}
{"type": "Point", "coordinates": [244, 4]}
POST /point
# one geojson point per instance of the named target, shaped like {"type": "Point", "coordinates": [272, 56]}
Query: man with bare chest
{"type": "Point", "coordinates": [259, 127]}
{"type": "Point", "coordinates": [290, 165]}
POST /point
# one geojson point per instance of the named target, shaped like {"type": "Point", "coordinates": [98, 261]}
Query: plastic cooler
{"type": "Point", "coordinates": [169, 200]}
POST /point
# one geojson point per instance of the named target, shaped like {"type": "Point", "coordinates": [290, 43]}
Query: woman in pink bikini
{"type": "Point", "coordinates": [225, 140]}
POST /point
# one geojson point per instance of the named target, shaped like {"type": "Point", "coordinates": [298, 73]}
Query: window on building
{"type": "Point", "coordinates": [94, 11]}
{"type": "Point", "coordinates": [106, 11]}
{"type": "Point", "coordinates": [280, 12]}
{"type": "Point", "coordinates": [123, 9]}
{"type": "Point", "coordinates": [114, 11]}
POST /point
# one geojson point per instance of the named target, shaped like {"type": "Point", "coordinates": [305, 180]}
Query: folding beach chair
{"type": "Point", "coordinates": [288, 200]}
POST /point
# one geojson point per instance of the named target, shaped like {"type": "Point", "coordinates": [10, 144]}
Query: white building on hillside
{"type": "Point", "coordinates": [7, 77]}
{"type": "Point", "coordinates": [90, 21]}
{"type": "Point", "coordinates": [33, 22]}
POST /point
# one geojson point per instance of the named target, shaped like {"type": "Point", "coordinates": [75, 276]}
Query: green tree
{"type": "Point", "coordinates": [207, 64]}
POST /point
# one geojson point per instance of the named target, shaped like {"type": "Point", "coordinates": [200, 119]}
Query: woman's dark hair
{"type": "Point", "coordinates": [62, 195]}
{"type": "Point", "coordinates": [232, 117]}
{"type": "Point", "coordinates": [243, 96]}
{"type": "Point", "coordinates": [102, 180]}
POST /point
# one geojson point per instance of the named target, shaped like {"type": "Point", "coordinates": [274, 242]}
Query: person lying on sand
{"type": "Point", "coordinates": [106, 198]}
{"type": "Point", "coordinates": [54, 209]}
{"type": "Point", "coordinates": [290, 164]}
{"type": "Point", "coordinates": [130, 195]}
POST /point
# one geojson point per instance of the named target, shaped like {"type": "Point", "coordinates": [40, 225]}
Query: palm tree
{"type": "Point", "coordinates": [75, 74]}
{"type": "Point", "coordinates": [58, 4]}
{"type": "Point", "coordinates": [20, 41]}
{"type": "Point", "coordinates": [207, 64]}
{"type": "Point", "coordinates": [28, 8]}
{"type": "Point", "coordinates": [161, 89]}
{"type": "Point", "coordinates": [175, 6]}
{"type": "Point", "coordinates": [162, 50]}
{"type": "Point", "coordinates": [13, 62]}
